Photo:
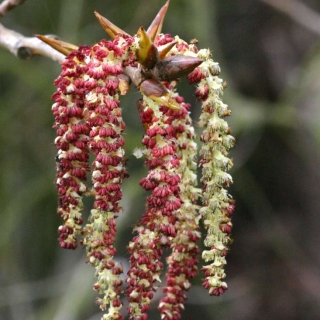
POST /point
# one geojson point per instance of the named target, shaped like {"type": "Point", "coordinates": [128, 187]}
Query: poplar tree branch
{"type": "Point", "coordinates": [21, 46]}
{"type": "Point", "coordinates": [25, 47]}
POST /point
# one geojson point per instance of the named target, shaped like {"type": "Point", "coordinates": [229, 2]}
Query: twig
{"type": "Point", "coordinates": [299, 12]}
{"type": "Point", "coordinates": [21, 46]}
{"type": "Point", "coordinates": [7, 5]}
{"type": "Point", "coordinates": [25, 47]}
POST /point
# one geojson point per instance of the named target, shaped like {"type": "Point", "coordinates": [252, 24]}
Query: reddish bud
{"type": "Point", "coordinates": [157, 92]}
{"type": "Point", "coordinates": [174, 67]}
{"type": "Point", "coordinates": [152, 87]}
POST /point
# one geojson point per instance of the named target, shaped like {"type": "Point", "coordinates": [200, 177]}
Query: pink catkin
{"type": "Point", "coordinates": [158, 223]}
{"type": "Point", "coordinates": [71, 142]}
{"type": "Point", "coordinates": [182, 262]}
{"type": "Point", "coordinates": [104, 117]}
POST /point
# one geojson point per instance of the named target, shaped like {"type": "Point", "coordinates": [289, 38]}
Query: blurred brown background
{"type": "Point", "coordinates": [271, 63]}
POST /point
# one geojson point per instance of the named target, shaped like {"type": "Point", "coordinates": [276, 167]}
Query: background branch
{"type": "Point", "coordinates": [299, 12]}
{"type": "Point", "coordinates": [7, 5]}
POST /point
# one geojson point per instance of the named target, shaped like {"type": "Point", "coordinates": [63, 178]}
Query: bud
{"type": "Point", "coordinates": [174, 67]}
{"type": "Point", "coordinates": [111, 29]}
{"type": "Point", "coordinates": [157, 92]}
{"type": "Point", "coordinates": [156, 25]}
{"type": "Point", "coordinates": [152, 87]}
{"type": "Point", "coordinates": [124, 84]}
{"type": "Point", "coordinates": [147, 53]}
{"type": "Point", "coordinates": [165, 49]}
{"type": "Point", "coordinates": [61, 46]}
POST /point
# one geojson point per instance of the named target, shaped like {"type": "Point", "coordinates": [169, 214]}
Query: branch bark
{"type": "Point", "coordinates": [21, 46]}
{"type": "Point", "coordinates": [25, 47]}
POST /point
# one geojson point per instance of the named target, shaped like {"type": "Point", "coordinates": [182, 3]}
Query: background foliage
{"type": "Point", "coordinates": [271, 64]}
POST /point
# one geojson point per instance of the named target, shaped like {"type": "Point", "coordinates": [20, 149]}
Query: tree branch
{"type": "Point", "coordinates": [21, 46]}
{"type": "Point", "coordinates": [25, 47]}
{"type": "Point", "coordinates": [7, 5]}
{"type": "Point", "coordinates": [299, 12]}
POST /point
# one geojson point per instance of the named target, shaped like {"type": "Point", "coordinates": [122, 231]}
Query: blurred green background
{"type": "Point", "coordinates": [271, 64]}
